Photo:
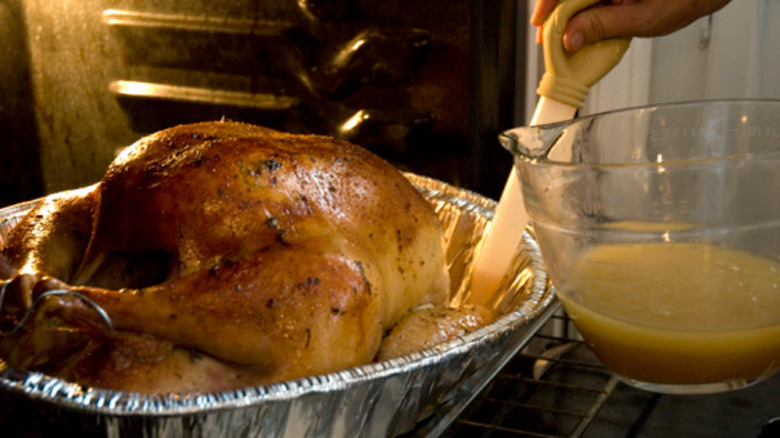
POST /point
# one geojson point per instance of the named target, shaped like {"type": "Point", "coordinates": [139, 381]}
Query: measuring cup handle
{"type": "Point", "coordinates": [568, 77]}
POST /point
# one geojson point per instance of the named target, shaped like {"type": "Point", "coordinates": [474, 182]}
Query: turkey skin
{"type": "Point", "coordinates": [218, 255]}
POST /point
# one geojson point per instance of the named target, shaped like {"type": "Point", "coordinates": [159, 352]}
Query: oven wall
{"type": "Point", "coordinates": [427, 85]}
{"type": "Point", "coordinates": [20, 164]}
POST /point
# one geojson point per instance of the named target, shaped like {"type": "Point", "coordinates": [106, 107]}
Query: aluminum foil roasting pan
{"type": "Point", "coordinates": [377, 400]}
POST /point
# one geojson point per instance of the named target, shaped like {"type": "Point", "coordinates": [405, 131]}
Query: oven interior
{"type": "Point", "coordinates": [427, 85]}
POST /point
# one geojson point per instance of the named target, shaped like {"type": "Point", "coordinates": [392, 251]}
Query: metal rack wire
{"type": "Point", "coordinates": [553, 388]}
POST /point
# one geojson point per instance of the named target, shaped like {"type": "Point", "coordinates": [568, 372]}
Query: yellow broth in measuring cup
{"type": "Point", "coordinates": [667, 316]}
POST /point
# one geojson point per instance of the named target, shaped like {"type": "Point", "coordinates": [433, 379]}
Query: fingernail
{"type": "Point", "coordinates": [576, 41]}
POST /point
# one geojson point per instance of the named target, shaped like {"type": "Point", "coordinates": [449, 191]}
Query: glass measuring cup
{"type": "Point", "coordinates": [660, 229]}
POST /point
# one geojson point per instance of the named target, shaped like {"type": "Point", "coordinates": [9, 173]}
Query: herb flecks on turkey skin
{"type": "Point", "coordinates": [278, 255]}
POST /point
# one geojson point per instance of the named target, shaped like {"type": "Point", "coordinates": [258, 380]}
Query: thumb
{"type": "Point", "coordinates": [599, 23]}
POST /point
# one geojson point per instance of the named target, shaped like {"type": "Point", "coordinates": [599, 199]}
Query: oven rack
{"type": "Point", "coordinates": [553, 388]}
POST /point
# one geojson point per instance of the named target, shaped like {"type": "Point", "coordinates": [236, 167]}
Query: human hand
{"type": "Point", "coordinates": [626, 18]}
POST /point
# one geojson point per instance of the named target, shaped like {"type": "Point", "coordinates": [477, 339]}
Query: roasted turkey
{"type": "Point", "coordinates": [218, 255]}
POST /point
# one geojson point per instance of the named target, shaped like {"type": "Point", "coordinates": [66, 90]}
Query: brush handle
{"type": "Point", "coordinates": [562, 90]}
{"type": "Point", "coordinates": [568, 77]}
{"type": "Point", "coordinates": [505, 231]}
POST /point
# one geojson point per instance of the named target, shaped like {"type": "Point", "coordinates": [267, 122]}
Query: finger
{"type": "Point", "coordinates": [542, 10]}
{"type": "Point", "coordinates": [636, 18]}
{"type": "Point", "coordinates": [611, 21]}
{"type": "Point", "coordinates": [599, 23]}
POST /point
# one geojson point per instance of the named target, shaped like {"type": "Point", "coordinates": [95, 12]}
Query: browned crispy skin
{"type": "Point", "coordinates": [278, 255]}
{"type": "Point", "coordinates": [53, 236]}
{"type": "Point", "coordinates": [427, 326]}
{"type": "Point", "coordinates": [280, 314]}
{"type": "Point", "coordinates": [198, 192]}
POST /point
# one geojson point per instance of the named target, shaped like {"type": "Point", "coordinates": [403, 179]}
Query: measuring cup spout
{"type": "Point", "coordinates": [532, 142]}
